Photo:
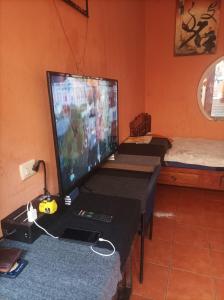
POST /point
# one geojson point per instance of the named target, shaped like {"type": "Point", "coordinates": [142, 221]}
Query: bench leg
{"type": "Point", "coordinates": [142, 248]}
{"type": "Point", "coordinates": [151, 227]}
{"type": "Point", "coordinates": [124, 287]}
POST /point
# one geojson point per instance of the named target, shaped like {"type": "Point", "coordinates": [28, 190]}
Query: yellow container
{"type": "Point", "coordinates": [48, 206]}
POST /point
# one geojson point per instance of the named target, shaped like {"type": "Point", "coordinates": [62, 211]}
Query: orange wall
{"type": "Point", "coordinates": [171, 82]}
{"type": "Point", "coordinates": [107, 44]}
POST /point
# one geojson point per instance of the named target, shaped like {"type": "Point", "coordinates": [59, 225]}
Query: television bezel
{"type": "Point", "coordinates": [83, 178]}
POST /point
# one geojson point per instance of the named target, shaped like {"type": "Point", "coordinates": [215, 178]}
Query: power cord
{"type": "Point", "coordinates": [102, 254]}
{"type": "Point", "coordinates": [32, 216]}
{"type": "Point", "coordinates": [51, 235]}
{"type": "Point", "coordinates": [36, 167]}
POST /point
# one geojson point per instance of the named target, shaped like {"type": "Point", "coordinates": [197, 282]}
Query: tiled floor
{"type": "Point", "coordinates": [185, 258]}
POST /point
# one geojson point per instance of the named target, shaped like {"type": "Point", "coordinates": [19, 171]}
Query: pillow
{"type": "Point", "coordinates": [138, 139]}
{"type": "Point", "coordinates": [160, 136]}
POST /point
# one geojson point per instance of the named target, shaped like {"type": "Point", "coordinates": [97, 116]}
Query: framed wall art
{"type": "Point", "coordinates": [196, 26]}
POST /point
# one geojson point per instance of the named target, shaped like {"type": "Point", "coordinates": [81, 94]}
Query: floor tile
{"type": "Point", "coordinates": [154, 284]}
{"type": "Point", "coordinates": [185, 258]}
{"type": "Point", "coordinates": [217, 266]}
{"type": "Point", "coordinates": [188, 286]}
{"type": "Point", "coordinates": [192, 199]}
{"type": "Point", "coordinates": [216, 239]}
{"type": "Point", "coordinates": [214, 206]}
{"type": "Point", "coordinates": [168, 190]}
{"type": "Point", "coordinates": [191, 204]}
{"type": "Point", "coordinates": [166, 200]}
{"type": "Point", "coordinates": [190, 195]}
{"type": "Point", "coordinates": [192, 259]}
{"type": "Point", "coordinates": [166, 208]}
{"type": "Point", "coordinates": [214, 220]}
{"type": "Point", "coordinates": [194, 206]}
{"type": "Point", "coordinates": [219, 285]}
{"type": "Point", "coordinates": [214, 195]}
{"type": "Point", "coordinates": [191, 235]}
{"type": "Point", "coordinates": [206, 219]}
{"type": "Point", "coordinates": [188, 191]}
{"type": "Point", "coordinates": [158, 252]}
{"type": "Point", "coordinates": [163, 228]}
{"type": "Point", "coordinates": [193, 218]}
{"type": "Point", "coordinates": [136, 297]}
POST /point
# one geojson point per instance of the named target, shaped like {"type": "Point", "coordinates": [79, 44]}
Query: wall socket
{"type": "Point", "coordinates": [25, 169]}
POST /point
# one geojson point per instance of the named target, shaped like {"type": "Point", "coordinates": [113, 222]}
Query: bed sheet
{"type": "Point", "coordinates": [196, 153]}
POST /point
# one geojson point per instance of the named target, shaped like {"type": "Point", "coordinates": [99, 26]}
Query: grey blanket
{"type": "Point", "coordinates": [59, 269]}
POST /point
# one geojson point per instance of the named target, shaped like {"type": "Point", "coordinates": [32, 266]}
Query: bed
{"type": "Point", "coordinates": [194, 162]}
{"type": "Point", "coordinates": [190, 162]}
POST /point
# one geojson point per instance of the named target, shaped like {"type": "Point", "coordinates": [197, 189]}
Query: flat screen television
{"type": "Point", "coordinates": [84, 113]}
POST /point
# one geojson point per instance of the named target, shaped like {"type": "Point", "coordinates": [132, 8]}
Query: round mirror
{"type": "Point", "coordinates": [211, 91]}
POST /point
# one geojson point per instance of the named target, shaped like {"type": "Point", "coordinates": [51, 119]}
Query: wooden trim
{"type": "Point", "coordinates": [213, 180]}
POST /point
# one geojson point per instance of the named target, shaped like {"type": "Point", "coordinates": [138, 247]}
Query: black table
{"type": "Point", "coordinates": [121, 231]}
{"type": "Point", "coordinates": [131, 185]}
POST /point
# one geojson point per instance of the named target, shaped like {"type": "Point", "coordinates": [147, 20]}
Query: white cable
{"type": "Point", "coordinates": [53, 236]}
{"type": "Point", "coordinates": [102, 254]}
{"type": "Point", "coordinates": [34, 221]}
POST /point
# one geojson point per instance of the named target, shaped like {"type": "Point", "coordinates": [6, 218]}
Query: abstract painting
{"type": "Point", "coordinates": [196, 26]}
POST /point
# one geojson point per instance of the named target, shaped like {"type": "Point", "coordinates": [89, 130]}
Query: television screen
{"type": "Point", "coordinates": [84, 113]}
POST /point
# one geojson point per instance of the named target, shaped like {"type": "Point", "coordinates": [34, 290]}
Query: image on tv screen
{"type": "Point", "coordinates": [85, 120]}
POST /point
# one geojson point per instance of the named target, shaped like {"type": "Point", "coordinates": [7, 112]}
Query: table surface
{"type": "Point", "coordinates": [48, 258]}
{"type": "Point", "coordinates": [126, 213]}
{"type": "Point", "coordinates": [120, 183]}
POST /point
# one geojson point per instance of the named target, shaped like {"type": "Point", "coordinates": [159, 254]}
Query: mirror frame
{"type": "Point", "coordinates": [208, 69]}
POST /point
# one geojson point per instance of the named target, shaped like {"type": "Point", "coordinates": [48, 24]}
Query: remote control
{"type": "Point", "coordinates": [94, 216]}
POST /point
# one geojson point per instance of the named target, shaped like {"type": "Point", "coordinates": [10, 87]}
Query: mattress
{"type": "Point", "coordinates": [196, 153]}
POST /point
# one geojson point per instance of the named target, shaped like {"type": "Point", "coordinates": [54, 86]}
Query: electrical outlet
{"type": "Point", "coordinates": [25, 169]}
